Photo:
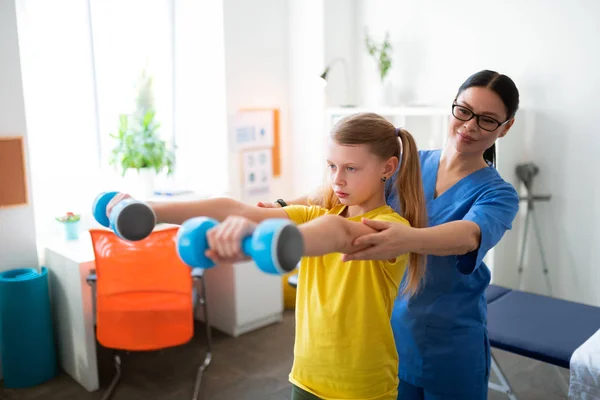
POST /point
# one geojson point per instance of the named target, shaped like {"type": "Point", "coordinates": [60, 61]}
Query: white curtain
{"type": "Point", "coordinates": [60, 107]}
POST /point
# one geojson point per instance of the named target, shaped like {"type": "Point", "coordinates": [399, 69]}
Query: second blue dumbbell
{"type": "Point", "coordinates": [276, 246]}
{"type": "Point", "coordinates": [130, 219]}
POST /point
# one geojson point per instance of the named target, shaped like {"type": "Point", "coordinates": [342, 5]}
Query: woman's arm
{"type": "Point", "coordinates": [393, 239]}
{"type": "Point", "coordinates": [469, 238]}
{"type": "Point", "coordinates": [451, 238]}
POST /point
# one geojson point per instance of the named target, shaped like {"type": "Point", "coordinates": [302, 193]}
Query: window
{"type": "Point", "coordinates": [80, 65]}
{"type": "Point", "coordinates": [133, 58]}
{"type": "Point", "coordinates": [58, 88]}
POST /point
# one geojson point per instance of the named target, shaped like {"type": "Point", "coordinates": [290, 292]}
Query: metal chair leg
{"type": "Point", "coordinates": [109, 392]}
{"type": "Point", "coordinates": [208, 357]}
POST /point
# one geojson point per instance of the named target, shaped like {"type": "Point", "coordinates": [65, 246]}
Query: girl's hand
{"type": "Point", "coordinates": [119, 197]}
{"type": "Point", "coordinates": [389, 242]}
{"type": "Point", "coordinates": [225, 240]}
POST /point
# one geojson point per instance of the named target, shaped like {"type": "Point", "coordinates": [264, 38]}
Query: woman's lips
{"type": "Point", "coordinates": [466, 138]}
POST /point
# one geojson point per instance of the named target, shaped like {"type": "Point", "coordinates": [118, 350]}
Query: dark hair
{"type": "Point", "coordinates": [386, 141]}
{"type": "Point", "coordinates": [505, 88]}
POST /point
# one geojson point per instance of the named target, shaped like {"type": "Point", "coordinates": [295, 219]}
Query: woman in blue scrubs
{"type": "Point", "coordinates": [440, 332]}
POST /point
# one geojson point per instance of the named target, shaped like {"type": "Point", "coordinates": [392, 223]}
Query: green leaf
{"type": "Point", "coordinates": [381, 53]}
{"type": "Point", "coordinates": [138, 142]}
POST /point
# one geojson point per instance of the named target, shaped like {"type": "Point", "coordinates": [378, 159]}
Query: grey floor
{"type": "Point", "coordinates": [254, 366]}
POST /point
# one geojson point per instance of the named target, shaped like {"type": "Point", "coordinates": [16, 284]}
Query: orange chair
{"type": "Point", "coordinates": [144, 296]}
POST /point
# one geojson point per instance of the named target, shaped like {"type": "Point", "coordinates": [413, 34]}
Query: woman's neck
{"type": "Point", "coordinates": [452, 160]}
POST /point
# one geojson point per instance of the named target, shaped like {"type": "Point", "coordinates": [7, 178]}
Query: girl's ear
{"type": "Point", "coordinates": [390, 166]}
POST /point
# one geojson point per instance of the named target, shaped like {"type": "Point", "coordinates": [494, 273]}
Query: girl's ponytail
{"type": "Point", "coordinates": [412, 204]}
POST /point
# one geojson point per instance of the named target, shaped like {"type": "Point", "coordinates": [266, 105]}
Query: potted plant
{"type": "Point", "coordinates": [139, 148]}
{"type": "Point", "coordinates": [382, 54]}
{"type": "Point", "coordinates": [71, 223]}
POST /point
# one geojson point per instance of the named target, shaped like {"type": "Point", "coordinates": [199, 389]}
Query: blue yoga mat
{"type": "Point", "coordinates": [27, 345]}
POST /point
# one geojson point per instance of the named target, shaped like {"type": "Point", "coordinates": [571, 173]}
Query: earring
{"type": "Point", "coordinates": [384, 179]}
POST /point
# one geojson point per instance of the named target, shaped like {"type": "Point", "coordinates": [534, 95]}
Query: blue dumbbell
{"type": "Point", "coordinates": [130, 219]}
{"type": "Point", "coordinates": [276, 245]}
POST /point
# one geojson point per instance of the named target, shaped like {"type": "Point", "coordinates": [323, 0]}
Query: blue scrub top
{"type": "Point", "coordinates": [440, 332]}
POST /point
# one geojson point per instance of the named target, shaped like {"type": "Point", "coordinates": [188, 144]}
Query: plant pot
{"type": "Point", "coordinates": [71, 230]}
{"type": "Point", "coordinates": [140, 184]}
{"type": "Point", "coordinates": [380, 94]}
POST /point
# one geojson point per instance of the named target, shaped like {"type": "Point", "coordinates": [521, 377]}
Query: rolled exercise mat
{"type": "Point", "coordinates": [27, 347]}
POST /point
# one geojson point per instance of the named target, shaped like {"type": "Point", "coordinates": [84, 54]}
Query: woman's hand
{"type": "Point", "coordinates": [225, 240]}
{"type": "Point", "coordinates": [113, 202]}
{"type": "Point", "coordinates": [391, 240]}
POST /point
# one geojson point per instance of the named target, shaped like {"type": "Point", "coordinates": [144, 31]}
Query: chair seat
{"type": "Point", "coordinates": [144, 320]}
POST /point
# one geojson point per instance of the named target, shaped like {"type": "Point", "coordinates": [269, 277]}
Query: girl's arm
{"type": "Point", "coordinates": [219, 209]}
{"type": "Point", "coordinates": [332, 234]}
{"type": "Point", "coordinates": [321, 236]}
{"type": "Point", "coordinates": [300, 201]}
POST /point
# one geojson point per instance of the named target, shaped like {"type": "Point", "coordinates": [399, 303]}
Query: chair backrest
{"type": "Point", "coordinates": [143, 291]}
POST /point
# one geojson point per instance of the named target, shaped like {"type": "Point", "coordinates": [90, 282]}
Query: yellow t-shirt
{"type": "Point", "coordinates": [344, 346]}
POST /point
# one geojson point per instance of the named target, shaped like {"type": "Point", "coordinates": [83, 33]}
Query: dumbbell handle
{"type": "Point", "coordinates": [247, 246]}
{"type": "Point", "coordinates": [250, 247]}
{"type": "Point", "coordinates": [276, 245]}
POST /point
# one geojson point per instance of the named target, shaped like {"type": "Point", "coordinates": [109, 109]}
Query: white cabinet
{"type": "Point", "coordinates": [69, 264]}
{"type": "Point", "coordinates": [241, 298]}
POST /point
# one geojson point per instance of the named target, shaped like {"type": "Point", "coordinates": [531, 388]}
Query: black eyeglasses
{"type": "Point", "coordinates": [483, 121]}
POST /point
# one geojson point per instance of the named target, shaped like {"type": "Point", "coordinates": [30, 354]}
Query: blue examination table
{"type": "Point", "coordinates": [538, 327]}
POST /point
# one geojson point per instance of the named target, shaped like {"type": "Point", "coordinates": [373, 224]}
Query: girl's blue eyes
{"type": "Point", "coordinates": [349, 169]}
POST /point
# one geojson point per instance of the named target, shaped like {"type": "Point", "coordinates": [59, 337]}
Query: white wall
{"type": "Point", "coordinates": [552, 51]}
{"type": "Point", "coordinates": [200, 69]}
{"type": "Point", "coordinates": [17, 229]}
{"type": "Point", "coordinates": [256, 67]}
{"type": "Point", "coordinates": [340, 32]}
